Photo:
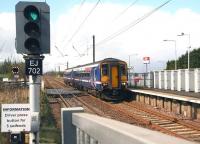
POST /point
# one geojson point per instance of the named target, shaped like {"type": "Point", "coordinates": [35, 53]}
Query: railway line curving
{"type": "Point", "coordinates": [130, 112]}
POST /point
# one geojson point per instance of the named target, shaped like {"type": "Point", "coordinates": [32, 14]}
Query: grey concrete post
{"type": "Point", "coordinates": [82, 140]}
{"type": "Point", "coordinates": [68, 130]}
{"type": "Point", "coordinates": [87, 138]}
{"type": "Point", "coordinates": [78, 135]}
{"type": "Point", "coordinates": [34, 100]}
{"type": "Point", "coordinates": [93, 141]}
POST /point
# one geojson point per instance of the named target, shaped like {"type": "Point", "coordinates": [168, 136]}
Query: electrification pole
{"type": "Point", "coordinates": [93, 38]}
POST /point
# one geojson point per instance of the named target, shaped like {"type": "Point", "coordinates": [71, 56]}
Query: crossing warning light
{"type": "Point", "coordinates": [15, 70]}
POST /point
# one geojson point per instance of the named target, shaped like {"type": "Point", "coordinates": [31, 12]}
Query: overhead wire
{"type": "Point", "coordinates": [7, 46]}
{"type": "Point", "coordinates": [6, 40]}
{"type": "Point", "coordinates": [125, 10]}
{"type": "Point", "coordinates": [82, 23]}
{"type": "Point", "coordinates": [117, 17]}
{"type": "Point", "coordinates": [80, 55]}
{"type": "Point", "coordinates": [78, 11]}
{"type": "Point", "coordinates": [2, 45]}
{"type": "Point", "coordinates": [81, 5]}
{"type": "Point", "coordinates": [132, 24]}
{"type": "Point", "coordinates": [59, 51]}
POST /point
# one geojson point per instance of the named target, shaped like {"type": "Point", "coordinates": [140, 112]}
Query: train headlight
{"type": "Point", "coordinates": [123, 83]}
{"type": "Point", "coordinates": [105, 84]}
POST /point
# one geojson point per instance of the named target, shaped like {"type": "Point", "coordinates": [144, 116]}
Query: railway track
{"type": "Point", "coordinates": [61, 101]}
{"type": "Point", "coordinates": [133, 113]}
{"type": "Point", "coordinates": [151, 119]}
{"type": "Point", "coordinates": [171, 125]}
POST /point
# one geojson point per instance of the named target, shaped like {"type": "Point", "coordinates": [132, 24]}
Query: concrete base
{"type": "Point", "coordinates": [195, 107]}
{"type": "Point", "coordinates": [147, 100]}
{"type": "Point", "coordinates": [153, 101]}
{"type": "Point", "coordinates": [137, 97]}
{"type": "Point", "coordinates": [160, 102]}
{"type": "Point", "coordinates": [198, 112]}
{"type": "Point", "coordinates": [168, 104]}
{"type": "Point", "coordinates": [142, 98]}
{"type": "Point", "coordinates": [186, 109]}
{"type": "Point", "coordinates": [176, 107]}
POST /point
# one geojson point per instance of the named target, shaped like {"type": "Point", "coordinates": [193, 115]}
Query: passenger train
{"type": "Point", "coordinates": [107, 78]}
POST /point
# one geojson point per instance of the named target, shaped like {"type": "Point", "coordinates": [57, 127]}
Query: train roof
{"type": "Point", "coordinates": [97, 62]}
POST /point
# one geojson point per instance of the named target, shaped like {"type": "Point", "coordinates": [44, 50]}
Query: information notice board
{"type": "Point", "coordinates": [15, 117]}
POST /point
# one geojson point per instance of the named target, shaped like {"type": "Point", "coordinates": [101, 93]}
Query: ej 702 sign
{"type": "Point", "coordinates": [33, 67]}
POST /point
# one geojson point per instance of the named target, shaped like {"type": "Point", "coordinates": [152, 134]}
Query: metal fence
{"type": "Point", "coordinates": [141, 79]}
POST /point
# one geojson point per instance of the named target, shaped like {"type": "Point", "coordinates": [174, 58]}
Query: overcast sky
{"type": "Point", "coordinates": [117, 28]}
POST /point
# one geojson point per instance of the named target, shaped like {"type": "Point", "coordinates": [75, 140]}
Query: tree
{"type": "Point", "coordinates": [6, 68]}
{"type": "Point", "coordinates": [182, 62]}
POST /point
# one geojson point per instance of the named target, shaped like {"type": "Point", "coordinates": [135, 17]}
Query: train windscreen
{"type": "Point", "coordinates": [123, 69]}
{"type": "Point", "coordinates": [104, 69]}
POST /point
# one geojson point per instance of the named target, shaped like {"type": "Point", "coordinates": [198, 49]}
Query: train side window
{"type": "Point", "coordinates": [104, 69]}
{"type": "Point", "coordinates": [85, 75]}
{"type": "Point", "coordinates": [123, 69]}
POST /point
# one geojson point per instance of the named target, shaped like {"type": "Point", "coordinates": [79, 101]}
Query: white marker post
{"type": "Point", "coordinates": [34, 100]}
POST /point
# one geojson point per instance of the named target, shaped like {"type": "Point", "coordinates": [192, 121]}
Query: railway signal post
{"type": "Point", "coordinates": [15, 71]}
{"type": "Point", "coordinates": [33, 40]}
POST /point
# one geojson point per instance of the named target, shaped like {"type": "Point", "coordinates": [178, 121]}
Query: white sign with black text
{"type": "Point", "coordinates": [15, 117]}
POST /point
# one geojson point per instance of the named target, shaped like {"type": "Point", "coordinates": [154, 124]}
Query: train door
{"type": "Point", "coordinates": [94, 77]}
{"type": "Point", "coordinates": [115, 77]}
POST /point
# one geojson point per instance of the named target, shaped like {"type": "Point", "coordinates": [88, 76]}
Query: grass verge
{"type": "Point", "coordinates": [48, 131]}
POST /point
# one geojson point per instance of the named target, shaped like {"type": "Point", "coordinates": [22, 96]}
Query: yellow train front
{"type": "Point", "coordinates": [107, 78]}
{"type": "Point", "coordinates": [113, 79]}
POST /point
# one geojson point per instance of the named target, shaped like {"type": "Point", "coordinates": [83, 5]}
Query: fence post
{"type": "Point", "coordinates": [68, 130]}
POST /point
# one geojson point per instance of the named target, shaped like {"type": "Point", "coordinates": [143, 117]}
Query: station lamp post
{"type": "Point", "coordinates": [189, 46]}
{"type": "Point", "coordinates": [129, 67]}
{"type": "Point", "coordinates": [175, 61]}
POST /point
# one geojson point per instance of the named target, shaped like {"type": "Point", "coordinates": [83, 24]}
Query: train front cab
{"type": "Point", "coordinates": [114, 78]}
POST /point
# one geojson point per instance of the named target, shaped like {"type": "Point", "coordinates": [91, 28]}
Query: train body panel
{"type": "Point", "coordinates": [108, 75]}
